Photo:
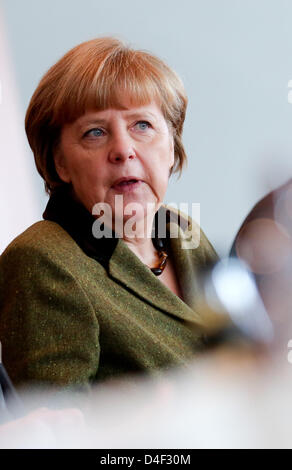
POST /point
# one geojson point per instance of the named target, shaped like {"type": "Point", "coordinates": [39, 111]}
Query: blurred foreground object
{"type": "Point", "coordinates": [232, 304]}
{"type": "Point", "coordinates": [43, 428]}
{"type": "Point", "coordinates": [264, 243]}
{"type": "Point", "coordinates": [10, 403]}
{"type": "Point", "coordinates": [207, 406]}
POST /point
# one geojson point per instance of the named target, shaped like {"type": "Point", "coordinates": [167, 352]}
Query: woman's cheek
{"type": "Point", "coordinates": [161, 187]}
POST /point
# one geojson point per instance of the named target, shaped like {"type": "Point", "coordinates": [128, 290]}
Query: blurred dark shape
{"type": "Point", "coordinates": [264, 243]}
{"type": "Point", "coordinates": [232, 305]}
{"type": "Point", "coordinates": [10, 403]}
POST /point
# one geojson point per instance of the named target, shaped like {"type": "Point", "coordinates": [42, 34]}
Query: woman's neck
{"type": "Point", "coordinates": [139, 240]}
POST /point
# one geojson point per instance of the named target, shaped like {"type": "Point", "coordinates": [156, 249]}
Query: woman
{"type": "Point", "coordinates": [98, 289]}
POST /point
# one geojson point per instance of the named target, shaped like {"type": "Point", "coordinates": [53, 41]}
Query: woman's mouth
{"type": "Point", "coordinates": [127, 185]}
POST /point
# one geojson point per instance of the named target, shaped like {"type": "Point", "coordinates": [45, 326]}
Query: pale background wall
{"type": "Point", "coordinates": [18, 194]}
{"type": "Point", "coordinates": [235, 58]}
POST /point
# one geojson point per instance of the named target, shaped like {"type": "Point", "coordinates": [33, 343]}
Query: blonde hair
{"type": "Point", "coordinates": [94, 75]}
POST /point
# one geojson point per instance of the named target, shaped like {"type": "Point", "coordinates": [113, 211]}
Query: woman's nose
{"type": "Point", "coordinates": [121, 148]}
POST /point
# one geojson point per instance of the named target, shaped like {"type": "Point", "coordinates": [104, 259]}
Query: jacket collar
{"type": "Point", "coordinates": [65, 210]}
{"type": "Point", "coordinates": [121, 263]}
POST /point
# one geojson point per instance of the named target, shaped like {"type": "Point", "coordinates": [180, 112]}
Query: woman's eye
{"type": "Point", "coordinates": [96, 132]}
{"type": "Point", "coordinates": [143, 125]}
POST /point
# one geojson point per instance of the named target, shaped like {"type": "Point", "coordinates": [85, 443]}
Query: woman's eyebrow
{"type": "Point", "coordinates": [93, 120]}
{"type": "Point", "coordinates": [134, 115]}
{"type": "Point", "coordinates": [139, 114]}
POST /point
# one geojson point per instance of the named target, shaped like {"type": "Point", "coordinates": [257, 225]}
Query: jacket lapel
{"type": "Point", "coordinates": [126, 268]}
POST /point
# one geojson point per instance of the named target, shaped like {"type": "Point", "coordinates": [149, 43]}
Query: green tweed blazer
{"type": "Point", "coordinates": [74, 312]}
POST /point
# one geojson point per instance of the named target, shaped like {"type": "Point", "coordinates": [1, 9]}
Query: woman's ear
{"type": "Point", "coordinates": [60, 165]}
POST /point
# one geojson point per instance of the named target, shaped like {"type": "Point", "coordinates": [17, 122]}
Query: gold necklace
{"type": "Point", "coordinates": [158, 243]}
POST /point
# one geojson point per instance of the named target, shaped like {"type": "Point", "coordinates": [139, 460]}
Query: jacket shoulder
{"type": "Point", "coordinates": [48, 324]}
{"type": "Point", "coordinates": [193, 236]}
{"type": "Point", "coordinates": [43, 236]}
{"type": "Point", "coordinates": [44, 245]}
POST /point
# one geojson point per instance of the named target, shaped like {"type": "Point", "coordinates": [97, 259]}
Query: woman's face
{"type": "Point", "coordinates": [102, 147]}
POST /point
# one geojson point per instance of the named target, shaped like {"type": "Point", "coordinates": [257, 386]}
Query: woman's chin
{"type": "Point", "coordinates": [135, 220]}
{"type": "Point", "coordinates": [131, 204]}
